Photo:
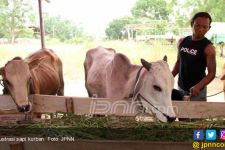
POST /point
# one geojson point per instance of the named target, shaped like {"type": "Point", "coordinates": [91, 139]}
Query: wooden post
{"type": "Point", "coordinates": [69, 105]}
{"type": "Point", "coordinates": [41, 25]}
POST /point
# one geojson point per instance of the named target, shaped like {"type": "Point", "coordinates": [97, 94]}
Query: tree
{"type": "Point", "coordinates": [156, 10]}
{"type": "Point", "coordinates": [14, 15]}
{"type": "Point", "coordinates": [56, 27]}
{"type": "Point", "coordinates": [117, 29]}
{"type": "Point", "coordinates": [163, 16]}
{"type": "Point", "coordinates": [214, 8]}
{"type": "Point", "coordinates": [157, 16]}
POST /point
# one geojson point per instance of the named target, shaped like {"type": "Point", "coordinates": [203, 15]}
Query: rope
{"type": "Point", "coordinates": [215, 94]}
{"type": "Point", "coordinates": [131, 95]}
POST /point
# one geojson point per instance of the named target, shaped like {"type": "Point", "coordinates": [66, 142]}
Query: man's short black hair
{"type": "Point", "coordinates": [201, 14]}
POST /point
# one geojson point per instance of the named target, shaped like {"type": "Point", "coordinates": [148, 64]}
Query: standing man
{"type": "Point", "coordinates": [195, 54]}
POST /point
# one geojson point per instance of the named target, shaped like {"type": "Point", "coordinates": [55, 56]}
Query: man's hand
{"type": "Point", "coordinates": [194, 91]}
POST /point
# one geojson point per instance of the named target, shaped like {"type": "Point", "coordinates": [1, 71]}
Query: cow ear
{"type": "Point", "coordinates": [165, 58]}
{"type": "Point", "coordinates": [146, 64]}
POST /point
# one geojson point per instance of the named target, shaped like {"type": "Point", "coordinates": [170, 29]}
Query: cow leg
{"type": "Point", "coordinates": [86, 85]}
{"type": "Point", "coordinates": [60, 91]}
{"type": "Point", "coordinates": [89, 93]}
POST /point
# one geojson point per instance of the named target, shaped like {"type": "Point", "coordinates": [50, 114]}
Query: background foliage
{"type": "Point", "coordinates": [167, 16]}
{"type": "Point", "coordinates": [155, 17]}
{"type": "Point", "coordinates": [14, 16]}
{"type": "Point", "coordinates": [57, 27]}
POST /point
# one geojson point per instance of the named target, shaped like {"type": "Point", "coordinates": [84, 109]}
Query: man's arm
{"type": "Point", "coordinates": [210, 55]}
{"type": "Point", "coordinates": [175, 70]}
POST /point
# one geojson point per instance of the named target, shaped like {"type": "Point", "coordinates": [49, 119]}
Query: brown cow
{"type": "Point", "coordinates": [111, 75]}
{"type": "Point", "coordinates": [39, 73]}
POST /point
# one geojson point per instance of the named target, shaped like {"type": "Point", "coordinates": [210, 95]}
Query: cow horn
{"type": "Point", "coordinates": [165, 58]}
{"type": "Point", "coordinates": [146, 64]}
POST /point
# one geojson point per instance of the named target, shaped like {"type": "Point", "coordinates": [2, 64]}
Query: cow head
{"type": "Point", "coordinates": [156, 89]}
{"type": "Point", "coordinates": [16, 79]}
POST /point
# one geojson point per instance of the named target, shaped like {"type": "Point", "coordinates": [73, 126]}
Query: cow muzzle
{"type": "Point", "coordinates": [25, 108]}
{"type": "Point", "coordinates": [170, 119]}
{"type": "Point", "coordinates": [160, 114]}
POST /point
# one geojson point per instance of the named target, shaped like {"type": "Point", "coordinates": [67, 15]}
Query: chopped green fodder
{"type": "Point", "coordinates": [110, 128]}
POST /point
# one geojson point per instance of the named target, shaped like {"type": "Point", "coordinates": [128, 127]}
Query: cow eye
{"type": "Point", "coordinates": [157, 88]}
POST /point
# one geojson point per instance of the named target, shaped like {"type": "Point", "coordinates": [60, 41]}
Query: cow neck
{"type": "Point", "coordinates": [32, 80]}
{"type": "Point", "coordinates": [31, 87]}
{"type": "Point", "coordinates": [131, 95]}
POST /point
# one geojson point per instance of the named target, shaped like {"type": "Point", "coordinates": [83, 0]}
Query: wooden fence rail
{"type": "Point", "coordinates": [81, 106]}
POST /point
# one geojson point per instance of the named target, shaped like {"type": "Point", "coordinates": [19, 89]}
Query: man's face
{"type": "Point", "coordinates": [200, 27]}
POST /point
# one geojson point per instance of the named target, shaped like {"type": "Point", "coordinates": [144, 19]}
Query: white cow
{"type": "Point", "coordinates": [111, 75]}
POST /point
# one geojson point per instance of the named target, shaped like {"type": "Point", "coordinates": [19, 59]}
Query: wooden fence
{"type": "Point", "coordinates": [80, 106]}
